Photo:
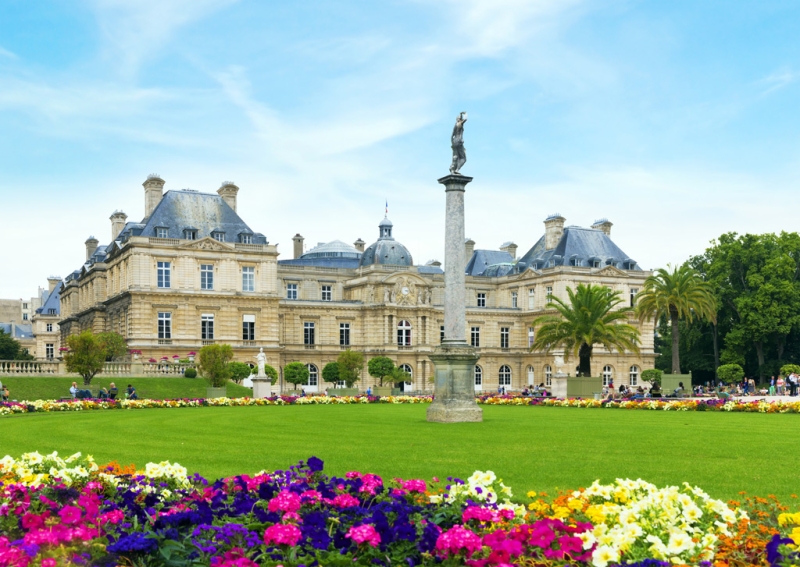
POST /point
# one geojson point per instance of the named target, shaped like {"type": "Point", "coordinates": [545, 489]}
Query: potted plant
{"type": "Point", "coordinates": [380, 367]}
{"type": "Point", "coordinates": [213, 366]}
{"type": "Point", "coordinates": [135, 353]}
{"type": "Point", "coordinates": [191, 356]}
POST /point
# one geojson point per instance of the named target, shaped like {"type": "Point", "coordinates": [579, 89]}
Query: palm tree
{"type": "Point", "coordinates": [681, 294]}
{"type": "Point", "coordinates": [587, 319]}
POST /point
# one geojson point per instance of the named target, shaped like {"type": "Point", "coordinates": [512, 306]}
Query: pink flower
{"type": "Point", "coordinates": [34, 521]}
{"type": "Point", "coordinates": [364, 533]}
{"type": "Point", "coordinates": [233, 558]}
{"type": "Point", "coordinates": [352, 474]}
{"type": "Point", "coordinates": [282, 534]}
{"type": "Point", "coordinates": [456, 539]}
{"type": "Point", "coordinates": [112, 517]}
{"type": "Point", "coordinates": [70, 515]}
{"type": "Point", "coordinates": [49, 562]}
{"type": "Point", "coordinates": [371, 483]}
{"type": "Point", "coordinates": [311, 496]}
{"type": "Point", "coordinates": [415, 485]}
{"type": "Point", "coordinates": [285, 501]}
{"type": "Point", "coordinates": [478, 513]}
{"type": "Point", "coordinates": [345, 501]}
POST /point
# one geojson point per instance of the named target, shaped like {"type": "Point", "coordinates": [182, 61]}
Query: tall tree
{"type": "Point", "coordinates": [679, 294]}
{"type": "Point", "coordinates": [350, 363]}
{"type": "Point", "coordinates": [113, 344]}
{"type": "Point", "coordinates": [9, 346]}
{"type": "Point", "coordinates": [86, 356]}
{"type": "Point", "coordinates": [295, 373]}
{"type": "Point", "coordinates": [591, 316]}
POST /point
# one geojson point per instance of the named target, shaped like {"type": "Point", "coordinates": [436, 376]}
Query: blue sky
{"type": "Point", "coordinates": [678, 121]}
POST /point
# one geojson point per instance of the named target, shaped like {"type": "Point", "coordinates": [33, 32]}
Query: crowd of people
{"type": "Point", "coordinates": [109, 393]}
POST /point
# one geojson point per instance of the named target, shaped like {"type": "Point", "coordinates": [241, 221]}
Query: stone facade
{"type": "Point", "coordinates": [310, 308]}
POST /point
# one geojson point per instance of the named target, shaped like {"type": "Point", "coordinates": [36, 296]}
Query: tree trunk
{"type": "Point", "coordinates": [760, 353]}
{"type": "Point", "coordinates": [676, 355]}
{"type": "Point", "coordinates": [781, 344]}
{"type": "Point", "coordinates": [716, 350]}
{"type": "Point", "coordinates": [585, 356]}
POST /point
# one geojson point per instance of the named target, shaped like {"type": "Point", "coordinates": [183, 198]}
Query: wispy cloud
{"type": "Point", "coordinates": [6, 53]}
{"type": "Point", "coordinates": [778, 79]}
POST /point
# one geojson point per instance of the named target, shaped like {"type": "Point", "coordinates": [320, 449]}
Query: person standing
{"type": "Point", "coordinates": [772, 386]}
{"type": "Point", "coordinates": [781, 385]}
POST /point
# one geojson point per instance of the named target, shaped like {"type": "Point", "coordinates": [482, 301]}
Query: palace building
{"type": "Point", "coordinates": [192, 273]}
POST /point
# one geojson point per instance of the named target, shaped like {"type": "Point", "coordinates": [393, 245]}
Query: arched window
{"type": "Point", "coordinates": [634, 375]}
{"type": "Point", "coordinates": [608, 374]}
{"type": "Point", "coordinates": [505, 375]}
{"type": "Point", "coordinates": [407, 369]}
{"type": "Point", "coordinates": [313, 375]}
{"type": "Point", "coordinates": [478, 377]}
{"type": "Point", "coordinates": [548, 375]}
{"type": "Point", "coordinates": [404, 333]}
{"type": "Point", "coordinates": [531, 376]}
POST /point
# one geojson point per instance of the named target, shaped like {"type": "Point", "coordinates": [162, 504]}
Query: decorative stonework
{"type": "Point", "coordinates": [206, 244]}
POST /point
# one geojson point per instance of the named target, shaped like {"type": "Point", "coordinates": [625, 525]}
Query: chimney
{"type": "Point", "coordinates": [359, 244]}
{"type": "Point", "coordinates": [511, 248]}
{"type": "Point", "coordinates": [153, 191]}
{"type": "Point", "coordinates": [298, 245]}
{"type": "Point", "coordinates": [52, 283]}
{"type": "Point", "coordinates": [604, 225]}
{"type": "Point", "coordinates": [228, 191]}
{"type": "Point", "coordinates": [91, 246]}
{"type": "Point", "coordinates": [117, 223]}
{"type": "Point", "coordinates": [553, 230]}
{"type": "Point", "coordinates": [469, 248]}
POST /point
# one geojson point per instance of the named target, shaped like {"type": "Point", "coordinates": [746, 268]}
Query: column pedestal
{"type": "Point", "coordinates": [454, 384]}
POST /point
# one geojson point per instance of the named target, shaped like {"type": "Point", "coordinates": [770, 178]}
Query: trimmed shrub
{"type": "Point", "coordinates": [190, 373]}
{"type": "Point", "coordinates": [730, 373]}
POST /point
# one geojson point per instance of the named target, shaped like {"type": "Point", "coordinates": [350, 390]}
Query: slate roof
{"type": "Point", "coordinates": [24, 331]}
{"type": "Point", "coordinates": [578, 247]}
{"type": "Point", "coordinates": [52, 306]}
{"type": "Point", "coordinates": [330, 262]}
{"type": "Point", "coordinates": [482, 259]}
{"type": "Point", "coordinates": [333, 249]}
{"type": "Point", "coordinates": [386, 250]}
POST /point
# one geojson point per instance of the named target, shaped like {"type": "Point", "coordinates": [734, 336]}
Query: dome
{"type": "Point", "coordinates": [386, 250]}
{"type": "Point", "coordinates": [334, 249]}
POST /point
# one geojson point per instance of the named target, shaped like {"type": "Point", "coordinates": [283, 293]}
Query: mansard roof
{"type": "Point", "coordinates": [482, 259]}
{"type": "Point", "coordinates": [578, 247]}
{"type": "Point", "coordinates": [17, 331]}
{"type": "Point", "coordinates": [52, 306]}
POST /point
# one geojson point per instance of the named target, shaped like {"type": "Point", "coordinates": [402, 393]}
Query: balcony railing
{"type": "Point", "coordinates": [165, 341]}
{"type": "Point", "coordinates": [309, 347]}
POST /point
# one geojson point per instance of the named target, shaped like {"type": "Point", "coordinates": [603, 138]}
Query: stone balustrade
{"type": "Point", "coordinates": [29, 367]}
{"type": "Point", "coordinates": [131, 369]}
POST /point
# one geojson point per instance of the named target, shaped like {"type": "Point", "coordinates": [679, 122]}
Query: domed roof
{"type": "Point", "coordinates": [334, 249]}
{"type": "Point", "coordinates": [386, 250]}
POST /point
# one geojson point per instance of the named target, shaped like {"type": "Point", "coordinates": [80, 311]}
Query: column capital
{"type": "Point", "coordinates": [454, 182]}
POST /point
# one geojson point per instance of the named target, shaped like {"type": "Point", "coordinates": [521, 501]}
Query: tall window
{"type": "Point", "coordinates": [608, 375]}
{"type": "Point", "coordinates": [291, 291]}
{"type": "Point", "coordinates": [634, 291]}
{"type": "Point", "coordinates": [207, 326]}
{"type": "Point", "coordinates": [478, 375]}
{"type": "Point", "coordinates": [505, 375]}
{"type": "Point", "coordinates": [248, 278]}
{"type": "Point", "coordinates": [475, 336]}
{"type": "Point", "coordinates": [549, 291]}
{"type": "Point", "coordinates": [313, 375]}
{"type": "Point", "coordinates": [531, 336]}
{"type": "Point", "coordinates": [327, 293]}
{"type": "Point", "coordinates": [504, 334]}
{"type": "Point", "coordinates": [49, 327]}
{"type": "Point", "coordinates": [531, 298]}
{"type": "Point", "coordinates": [24, 316]}
{"type": "Point", "coordinates": [206, 276]}
{"type": "Point", "coordinates": [163, 274]}
{"type": "Point", "coordinates": [481, 300]}
{"type": "Point", "coordinates": [514, 299]}
{"type": "Point", "coordinates": [531, 376]}
{"type": "Point", "coordinates": [308, 333]}
{"type": "Point", "coordinates": [404, 333]}
{"type": "Point", "coordinates": [408, 370]}
{"type": "Point", "coordinates": [248, 327]}
{"type": "Point", "coordinates": [164, 325]}
{"type": "Point", "coordinates": [49, 350]}
{"type": "Point", "coordinates": [634, 376]}
{"type": "Point", "coordinates": [548, 375]}
{"type": "Point", "coordinates": [162, 232]}
{"type": "Point", "coordinates": [344, 334]}
{"type": "Point", "coordinates": [441, 334]}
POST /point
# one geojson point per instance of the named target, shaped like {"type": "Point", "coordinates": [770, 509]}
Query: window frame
{"type": "Point", "coordinates": [633, 375]}
{"type": "Point", "coordinates": [291, 291]}
{"type": "Point", "coordinates": [404, 333]}
{"type": "Point", "coordinates": [475, 337]}
{"type": "Point", "coordinates": [48, 327]}
{"type": "Point", "coordinates": [481, 299]}
{"type": "Point", "coordinates": [548, 375]}
{"type": "Point", "coordinates": [163, 275]}
{"type": "Point", "coordinates": [248, 328]}
{"type": "Point", "coordinates": [49, 350]}
{"type": "Point", "coordinates": [504, 376]}
{"type": "Point", "coordinates": [344, 334]}
{"type": "Point", "coordinates": [207, 327]}
{"type": "Point", "coordinates": [207, 276]}
{"type": "Point", "coordinates": [164, 319]}
{"type": "Point", "coordinates": [477, 376]}
{"type": "Point", "coordinates": [309, 333]}
{"type": "Point", "coordinates": [312, 374]}
{"type": "Point", "coordinates": [608, 374]}
{"type": "Point", "coordinates": [326, 290]}
{"type": "Point", "coordinates": [251, 272]}
{"type": "Point", "coordinates": [505, 337]}
{"type": "Point", "coordinates": [514, 299]}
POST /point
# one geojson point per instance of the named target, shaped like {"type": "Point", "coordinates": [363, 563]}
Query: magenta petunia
{"type": "Point", "coordinates": [364, 533]}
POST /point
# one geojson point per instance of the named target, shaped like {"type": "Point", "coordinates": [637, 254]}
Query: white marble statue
{"type": "Point", "coordinates": [261, 360]}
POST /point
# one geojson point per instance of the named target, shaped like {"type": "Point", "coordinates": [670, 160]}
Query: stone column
{"type": "Point", "coordinates": [454, 359]}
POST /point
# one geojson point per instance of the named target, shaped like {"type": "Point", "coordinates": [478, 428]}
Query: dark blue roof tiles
{"type": "Point", "coordinates": [482, 259]}
{"type": "Point", "coordinates": [387, 251]}
{"type": "Point", "coordinates": [428, 269]}
{"type": "Point", "coordinates": [322, 262]}
{"type": "Point", "coordinates": [578, 246]}
{"type": "Point", "coordinates": [333, 249]}
{"type": "Point", "coordinates": [52, 305]}
{"type": "Point", "coordinates": [497, 270]}
{"type": "Point", "coordinates": [17, 331]}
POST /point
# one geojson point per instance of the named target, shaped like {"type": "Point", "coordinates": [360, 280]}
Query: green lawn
{"type": "Point", "coordinates": [530, 448]}
{"type": "Point", "coordinates": [51, 388]}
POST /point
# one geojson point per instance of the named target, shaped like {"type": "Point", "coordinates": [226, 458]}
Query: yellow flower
{"type": "Point", "coordinates": [575, 504]}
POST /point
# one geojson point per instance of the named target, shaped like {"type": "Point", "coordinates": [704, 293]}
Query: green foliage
{"type": "Point", "coordinates": [591, 316]}
{"type": "Point", "coordinates": [730, 373]}
{"type": "Point", "coordinates": [239, 371]}
{"type": "Point", "coordinates": [351, 363]}
{"type": "Point", "coordinates": [652, 375]}
{"type": "Point", "coordinates": [190, 373]}
{"type": "Point", "coordinates": [787, 369]}
{"type": "Point", "coordinates": [86, 356]}
{"type": "Point", "coordinates": [331, 372]}
{"type": "Point", "coordinates": [212, 363]}
{"type": "Point", "coordinates": [10, 348]}
{"type": "Point", "coordinates": [399, 375]}
{"type": "Point", "coordinates": [679, 294]}
{"type": "Point", "coordinates": [272, 373]}
{"type": "Point", "coordinates": [295, 373]}
{"type": "Point", "coordinates": [379, 367]}
{"type": "Point", "coordinates": [114, 345]}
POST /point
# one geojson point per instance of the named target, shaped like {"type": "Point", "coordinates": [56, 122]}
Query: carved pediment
{"type": "Point", "coordinates": [610, 271]}
{"type": "Point", "coordinates": [206, 243]}
{"type": "Point", "coordinates": [529, 274]}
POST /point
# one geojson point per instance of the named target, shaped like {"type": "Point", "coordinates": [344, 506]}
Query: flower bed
{"type": "Point", "coordinates": [56, 511]}
{"type": "Point", "coordinates": [9, 408]}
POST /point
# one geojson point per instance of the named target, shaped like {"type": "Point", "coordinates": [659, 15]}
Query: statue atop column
{"type": "Point", "coordinates": [457, 143]}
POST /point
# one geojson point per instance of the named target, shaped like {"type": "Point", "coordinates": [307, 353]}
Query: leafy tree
{"type": "Point", "coordinates": [351, 363]}
{"type": "Point", "coordinates": [113, 344]}
{"type": "Point", "coordinates": [272, 373]}
{"type": "Point", "coordinates": [331, 372]}
{"type": "Point", "coordinates": [239, 371]}
{"type": "Point", "coordinates": [680, 294]}
{"type": "Point", "coordinates": [591, 316]}
{"type": "Point", "coordinates": [787, 369]}
{"type": "Point", "coordinates": [295, 373]}
{"type": "Point", "coordinates": [652, 375]}
{"type": "Point", "coordinates": [86, 356]}
{"type": "Point", "coordinates": [9, 346]}
{"type": "Point", "coordinates": [730, 373]}
{"type": "Point", "coordinates": [212, 363]}
{"type": "Point", "coordinates": [399, 375]}
{"type": "Point", "coordinates": [380, 367]}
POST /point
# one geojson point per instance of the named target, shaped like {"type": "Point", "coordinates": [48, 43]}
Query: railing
{"type": "Point", "coordinates": [28, 368]}
{"type": "Point", "coordinates": [310, 347]}
{"type": "Point", "coordinates": [206, 342]}
{"type": "Point", "coordinates": [117, 368]}
{"type": "Point", "coordinates": [165, 341]}
{"type": "Point", "coordinates": [166, 241]}
{"type": "Point", "coordinates": [250, 247]}
{"type": "Point", "coordinates": [248, 343]}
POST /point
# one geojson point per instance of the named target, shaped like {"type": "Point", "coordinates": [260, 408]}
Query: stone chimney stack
{"type": "Point", "coordinates": [117, 223]}
{"type": "Point", "coordinates": [359, 244]}
{"type": "Point", "coordinates": [298, 245]}
{"type": "Point", "coordinates": [469, 248]}
{"type": "Point", "coordinates": [553, 230]}
{"type": "Point", "coordinates": [228, 191]}
{"type": "Point", "coordinates": [91, 246]}
{"type": "Point", "coordinates": [52, 283]}
{"type": "Point", "coordinates": [153, 191]}
{"type": "Point", "coordinates": [604, 225]}
{"type": "Point", "coordinates": [511, 248]}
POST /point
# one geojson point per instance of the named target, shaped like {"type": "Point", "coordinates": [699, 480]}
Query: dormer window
{"type": "Point", "coordinates": [190, 234]}
{"type": "Point", "coordinates": [218, 236]}
{"type": "Point", "coordinates": [246, 238]}
{"type": "Point", "coordinates": [162, 232]}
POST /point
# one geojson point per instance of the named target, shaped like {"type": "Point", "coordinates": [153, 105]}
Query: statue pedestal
{"type": "Point", "coordinates": [262, 387]}
{"type": "Point", "coordinates": [559, 385]}
{"type": "Point", "coordinates": [455, 384]}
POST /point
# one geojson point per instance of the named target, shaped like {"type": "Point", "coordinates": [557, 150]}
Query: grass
{"type": "Point", "coordinates": [52, 388]}
{"type": "Point", "coordinates": [530, 448]}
